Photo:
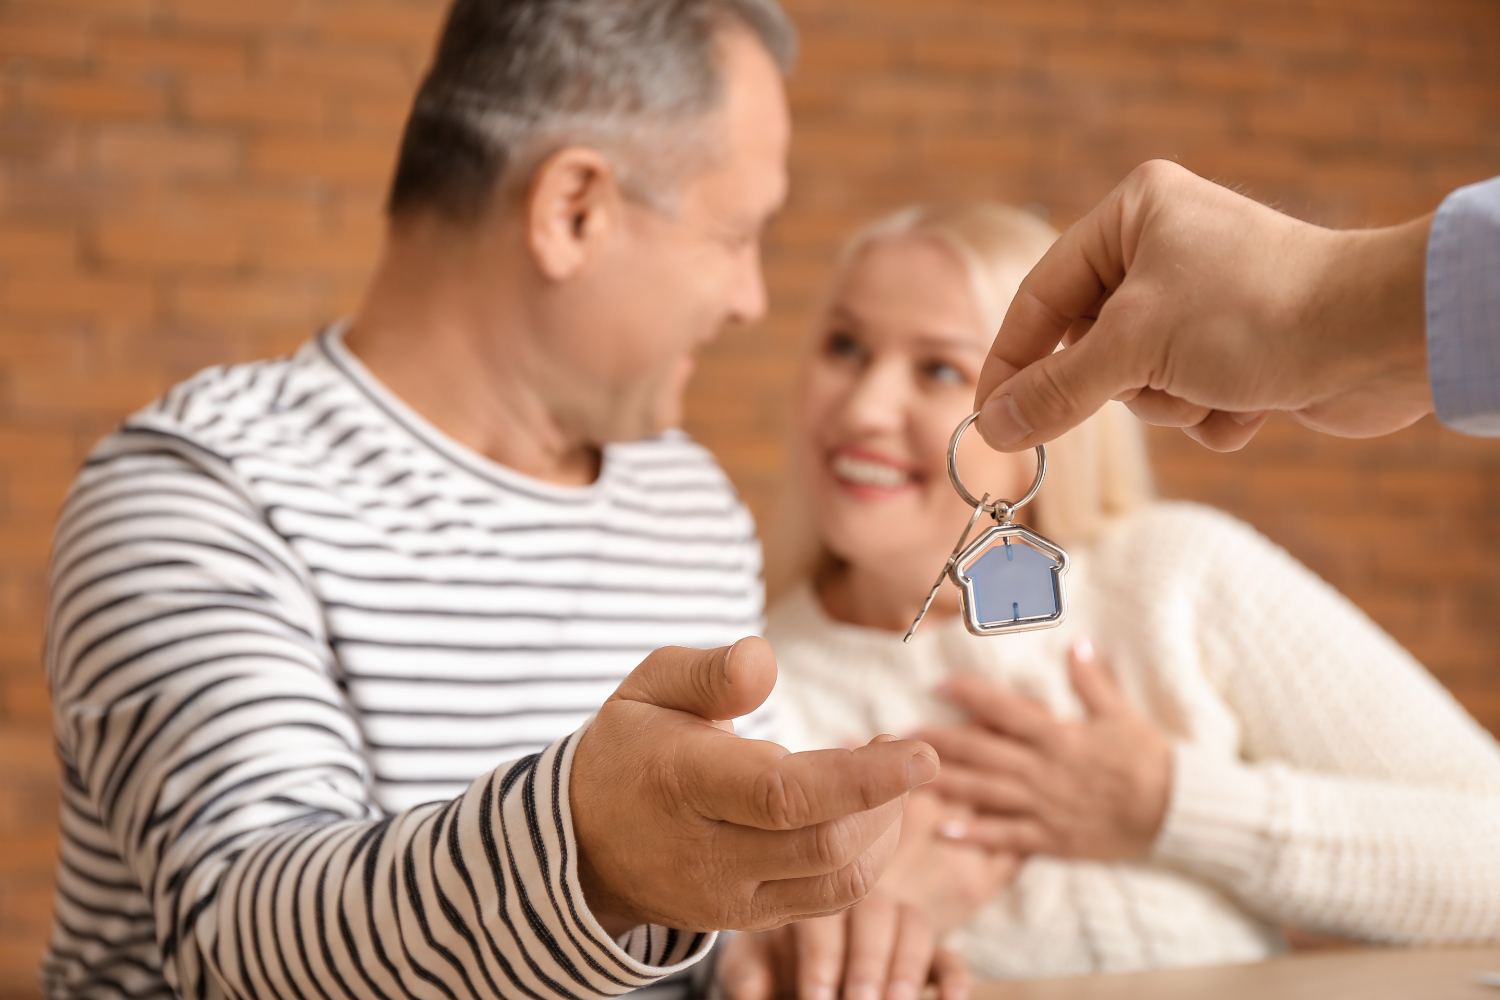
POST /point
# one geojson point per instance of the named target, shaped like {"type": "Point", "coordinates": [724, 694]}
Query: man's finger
{"type": "Point", "coordinates": [1066, 285]}
{"type": "Point", "coordinates": [761, 785]}
{"type": "Point", "coordinates": [1028, 395]}
{"type": "Point", "coordinates": [763, 855]}
{"type": "Point", "coordinates": [820, 956]}
{"type": "Point", "coordinates": [873, 925]}
{"type": "Point", "coordinates": [1162, 409]}
{"type": "Point", "coordinates": [1054, 394]}
{"type": "Point", "coordinates": [745, 969]}
{"type": "Point", "coordinates": [911, 959]}
{"type": "Point", "coordinates": [784, 900]}
{"type": "Point", "coordinates": [1000, 710]}
{"type": "Point", "coordinates": [1222, 430]}
{"type": "Point", "coordinates": [723, 683]}
{"type": "Point", "coordinates": [952, 976]}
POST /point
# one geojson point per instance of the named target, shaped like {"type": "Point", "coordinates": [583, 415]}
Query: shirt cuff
{"type": "Point", "coordinates": [1463, 309]}
{"type": "Point", "coordinates": [550, 901]}
{"type": "Point", "coordinates": [1217, 820]}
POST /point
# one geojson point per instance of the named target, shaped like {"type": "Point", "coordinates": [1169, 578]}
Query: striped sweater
{"type": "Point", "coordinates": [293, 630]}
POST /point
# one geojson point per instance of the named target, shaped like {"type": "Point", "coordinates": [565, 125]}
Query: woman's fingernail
{"type": "Point", "coordinates": [920, 770]}
{"type": "Point", "coordinates": [953, 829]}
{"type": "Point", "coordinates": [1083, 648]}
{"type": "Point", "coordinates": [1001, 421]}
{"type": "Point", "coordinates": [1246, 418]}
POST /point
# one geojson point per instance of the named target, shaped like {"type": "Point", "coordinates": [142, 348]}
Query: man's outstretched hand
{"type": "Point", "coordinates": [1205, 310]}
{"type": "Point", "coordinates": [681, 823]}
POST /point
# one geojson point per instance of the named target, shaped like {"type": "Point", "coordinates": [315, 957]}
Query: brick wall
{"type": "Point", "coordinates": [185, 182]}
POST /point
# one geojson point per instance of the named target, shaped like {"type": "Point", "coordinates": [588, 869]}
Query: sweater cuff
{"type": "Point", "coordinates": [644, 954]}
{"type": "Point", "coordinates": [1218, 820]}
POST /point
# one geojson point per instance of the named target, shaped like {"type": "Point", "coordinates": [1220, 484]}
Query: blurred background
{"type": "Point", "coordinates": [193, 182]}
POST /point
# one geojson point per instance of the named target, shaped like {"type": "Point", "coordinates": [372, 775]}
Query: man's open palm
{"type": "Point", "coordinates": [682, 823]}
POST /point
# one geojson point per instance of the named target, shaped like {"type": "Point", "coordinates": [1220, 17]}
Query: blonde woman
{"type": "Point", "coordinates": [1244, 751]}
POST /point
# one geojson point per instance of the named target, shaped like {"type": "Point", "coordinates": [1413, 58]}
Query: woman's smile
{"type": "Point", "coordinates": [870, 475]}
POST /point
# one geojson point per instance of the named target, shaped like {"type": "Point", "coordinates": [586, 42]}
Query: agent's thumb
{"type": "Point", "coordinates": [714, 684]}
{"type": "Point", "coordinates": [1050, 396]}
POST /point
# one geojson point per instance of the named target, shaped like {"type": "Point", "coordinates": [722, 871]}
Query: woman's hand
{"type": "Point", "coordinates": [880, 949]}
{"type": "Point", "coordinates": [1093, 789]}
{"type": "Point", "coordinates": [885, 948]}
{"type": "Point", "coordinates": [936, 870]}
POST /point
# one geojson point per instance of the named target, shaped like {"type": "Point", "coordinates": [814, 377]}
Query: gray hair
{"type": "Point", "coordinates": [515, 80]}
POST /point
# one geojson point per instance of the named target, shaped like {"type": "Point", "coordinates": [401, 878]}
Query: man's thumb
{"type": "Point", "coordinates": [1049, 396]}
{"type": "Point", "coordinates": [723, 683]}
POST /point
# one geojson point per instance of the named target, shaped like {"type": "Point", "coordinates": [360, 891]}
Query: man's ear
{"type": "Point", "coordinates": [574, 202]}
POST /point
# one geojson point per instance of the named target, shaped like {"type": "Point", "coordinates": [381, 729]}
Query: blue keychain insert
{"type": "Point", "coordinates": [1011, 581]}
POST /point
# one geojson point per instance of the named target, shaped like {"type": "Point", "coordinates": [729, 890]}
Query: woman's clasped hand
{"type": "Point", "coordinates": [1096, 788]}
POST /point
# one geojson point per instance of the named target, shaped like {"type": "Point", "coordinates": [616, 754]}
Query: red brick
{"type": "Point", "coordinates": [1173, 22]}
{"type": "Point", "coordinates": [152, 51]}
{"type": "Point", "coordinates": [279, 15]}
{"type": "Point", "coordinates": [288, 301]}
{"type": "Point", "coordinates": [413, 26]}
{"type": "Point", "coordinates": [155, 242]}
{"type": "Point", "coordinates": [42, 392]}
{"type": "Point", "coordinates": [314, 156]}
{"type": "Point", "coordinates": [73, 294]}
{"type": "Point", "coordinates": [37, 243]}
{"type": "Point", "coordinates": [26, 701]}
{"type": "Point", "coordinates": [900, 99]}
{"type": "Point", "coordinates": [138, 10]}
{"type": "Point", "coordinates": [42, 34]}
{"type": "Point", "coordinates": [158, 151]}
{"type": "Point", "coordinates": [92, 97]}
{"type": "Point", "coordinates": [349, 65]}
{"type": "Point", "coordinates": [254, 102]}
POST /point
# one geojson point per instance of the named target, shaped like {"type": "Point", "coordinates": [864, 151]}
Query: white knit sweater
{"type": "Point", "coordinates": [1321, 777]}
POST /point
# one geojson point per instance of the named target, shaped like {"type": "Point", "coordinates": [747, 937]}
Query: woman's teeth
{"type": "Point", "coordinates": [863, 472]}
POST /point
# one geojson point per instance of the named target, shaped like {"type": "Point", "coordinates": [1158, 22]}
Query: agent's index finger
{"type": "Point", "coordinates": [1066, 285]}
{"type": "Point", "coordinates": [760, 785]}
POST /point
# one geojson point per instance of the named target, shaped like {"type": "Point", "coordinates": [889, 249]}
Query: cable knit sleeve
{"type": "Point", "coordinates": [1354, 795]}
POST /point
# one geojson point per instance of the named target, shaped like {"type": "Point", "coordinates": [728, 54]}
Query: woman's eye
{"type": "Point", "coordinates": [941, 371]}
{"type": "Point", "coordinates": [842, 345]}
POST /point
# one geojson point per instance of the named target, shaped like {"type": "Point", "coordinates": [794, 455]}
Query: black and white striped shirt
{"type": "Point", "coordinates": [286, 612]}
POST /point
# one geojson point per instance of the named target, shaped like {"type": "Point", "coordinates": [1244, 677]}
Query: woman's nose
{"type": "Point", "coordinates": [879, 399]}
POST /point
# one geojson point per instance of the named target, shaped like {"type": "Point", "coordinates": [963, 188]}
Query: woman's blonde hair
{"type": "Point", "coordinates": [1095, 473]}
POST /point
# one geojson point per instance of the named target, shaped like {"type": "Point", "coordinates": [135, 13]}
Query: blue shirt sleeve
{"type": "Point", "coordinates": [1463, 309]}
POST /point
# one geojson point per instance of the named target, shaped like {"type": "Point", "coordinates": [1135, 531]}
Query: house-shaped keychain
{"type": "Point", "coordinates": [1011, 580]}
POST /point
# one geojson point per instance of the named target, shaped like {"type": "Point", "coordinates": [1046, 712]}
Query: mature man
{"type": "Point", "coordinates": [296, 600]}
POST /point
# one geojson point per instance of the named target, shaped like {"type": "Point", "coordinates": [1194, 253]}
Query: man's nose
{"type": "Point", "coordinates": [748, 300]}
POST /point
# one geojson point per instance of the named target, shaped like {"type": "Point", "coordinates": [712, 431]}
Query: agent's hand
{"type": "Point", "coordinates": [1094, 789]}
{"type": "Point", "coordinates": [881, 949]}
{"type": "Point", "coordinates": [1204, 310]}
{"type": "Point", "coordinates": [681, 823]}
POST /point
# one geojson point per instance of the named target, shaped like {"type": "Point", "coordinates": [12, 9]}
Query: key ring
{"type": "Point", "coordinates": [1001, 510]}
{"type": "Point", "coordinates": [1010, 579]}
